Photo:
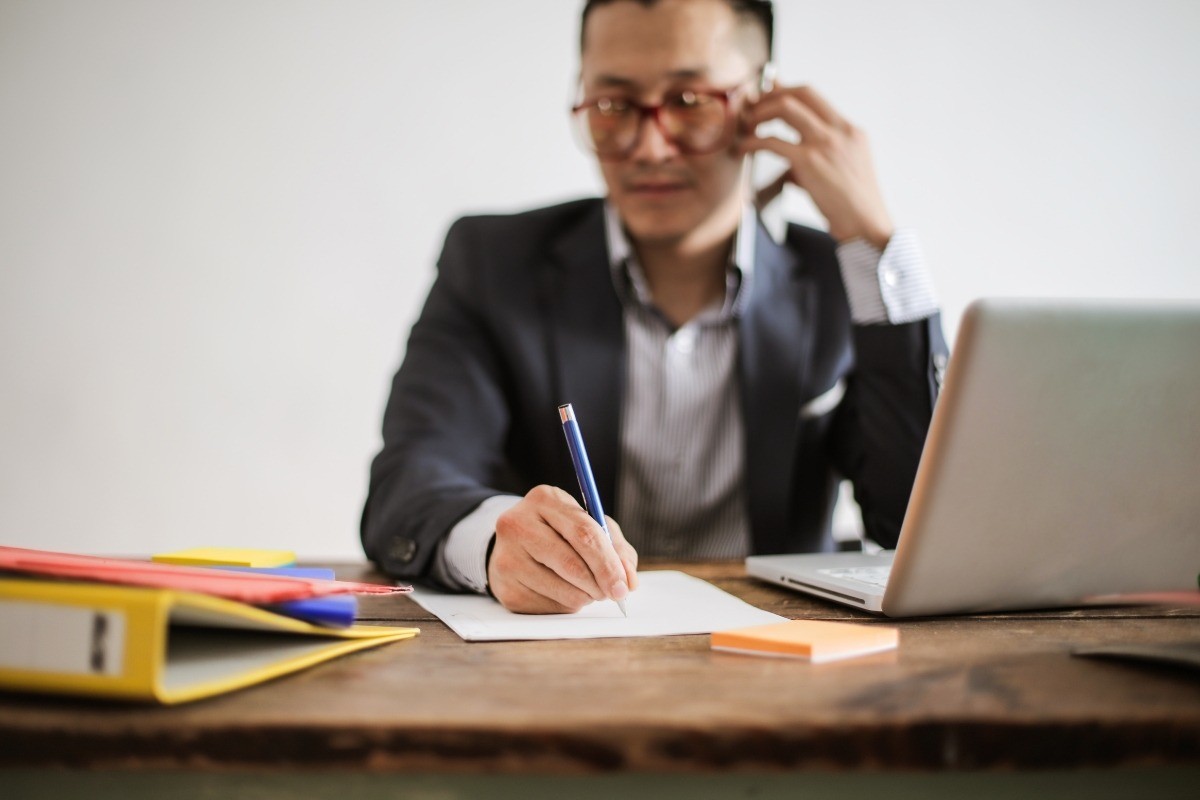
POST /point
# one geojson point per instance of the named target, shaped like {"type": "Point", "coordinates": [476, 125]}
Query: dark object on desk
{"type": "Point", "coordinates": [1176, 654]}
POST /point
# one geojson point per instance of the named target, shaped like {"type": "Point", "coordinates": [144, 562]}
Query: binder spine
{"type": "Point", "coordinates": [65, 639]}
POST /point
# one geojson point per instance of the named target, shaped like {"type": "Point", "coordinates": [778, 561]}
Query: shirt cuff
{"type": "Point", "coordinates": [461, 560]}
{"type": "Point", "coordinates": [888, 287]}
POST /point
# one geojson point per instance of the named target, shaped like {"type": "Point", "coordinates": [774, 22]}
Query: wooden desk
{"type": "Point", "coordinates": [961, 694]}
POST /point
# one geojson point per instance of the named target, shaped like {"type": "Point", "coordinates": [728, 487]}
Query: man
{"type": "Point", "coordinates": [724, 382]}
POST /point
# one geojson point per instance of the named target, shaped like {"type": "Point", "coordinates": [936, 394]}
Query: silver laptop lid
{"type": "Point", "coordinates": [1062, 461]}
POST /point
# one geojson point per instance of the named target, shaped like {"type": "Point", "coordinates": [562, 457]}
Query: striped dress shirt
{"type": "Point", "coordinates": [679, 486]}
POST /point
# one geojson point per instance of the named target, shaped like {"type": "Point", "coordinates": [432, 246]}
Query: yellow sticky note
{"type": "Point", "coordinates": [812, 640]}
{"type": "Point", "coordinates": [228, 557]}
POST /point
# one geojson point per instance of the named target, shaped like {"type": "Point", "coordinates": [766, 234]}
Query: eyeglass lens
{"type": "Point", "coordinates": [694, 122]}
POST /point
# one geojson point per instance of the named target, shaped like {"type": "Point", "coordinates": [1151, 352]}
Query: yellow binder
{"type": "Point", "coordinates": [155, 645]}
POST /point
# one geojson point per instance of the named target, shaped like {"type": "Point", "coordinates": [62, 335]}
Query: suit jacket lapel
{"type": "Point", "coordinates": [776, 344]}
{"type": "Point", "coordinates": [586, 340]}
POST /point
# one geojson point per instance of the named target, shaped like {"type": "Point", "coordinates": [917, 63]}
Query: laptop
{"type": "Point", "coordinates": [1062, 463]}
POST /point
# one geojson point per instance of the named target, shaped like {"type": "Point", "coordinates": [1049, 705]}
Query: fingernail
{"type": "Point", "coordinates": [618, 590]}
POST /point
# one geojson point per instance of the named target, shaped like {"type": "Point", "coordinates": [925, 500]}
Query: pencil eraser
{"type": "Point", "coordinates": [227, 557]}
{"type": "Point", "coordinates": [811, 640]}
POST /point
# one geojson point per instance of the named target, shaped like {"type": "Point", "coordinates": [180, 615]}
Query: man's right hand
{"type": "Point", "coordinates": [551, 557]}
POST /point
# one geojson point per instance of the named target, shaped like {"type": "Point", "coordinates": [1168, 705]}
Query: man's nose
{"type": "Point", "coordinates": [652, 145]}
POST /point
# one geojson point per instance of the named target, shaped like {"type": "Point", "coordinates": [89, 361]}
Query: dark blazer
{"type": "Point", "coordinates": [524, 316]}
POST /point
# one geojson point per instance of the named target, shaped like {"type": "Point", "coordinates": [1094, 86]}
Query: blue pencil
{"type": "Point", "coordinates": [583, 471]}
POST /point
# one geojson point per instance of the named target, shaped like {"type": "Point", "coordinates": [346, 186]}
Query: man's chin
{"type": "Point", "coordinates": [661, 226]}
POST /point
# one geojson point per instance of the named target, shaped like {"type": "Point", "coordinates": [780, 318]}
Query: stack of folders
{"type": "Point", "coordinates": [166, 633]}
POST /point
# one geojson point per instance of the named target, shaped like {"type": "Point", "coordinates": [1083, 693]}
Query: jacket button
{"type": "Point", "coordinates": [403, 550]}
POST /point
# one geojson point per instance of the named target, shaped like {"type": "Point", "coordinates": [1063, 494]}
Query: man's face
{"type": "Point", "coordinates": [641, 54]}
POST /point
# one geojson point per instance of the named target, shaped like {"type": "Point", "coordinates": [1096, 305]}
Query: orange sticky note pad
{"type": "Point", "coordinates": [808, 639]}
{"type": "Point", "coordinates": [227, 557]}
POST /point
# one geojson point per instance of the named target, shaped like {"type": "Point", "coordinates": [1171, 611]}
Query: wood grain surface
{"type": "Point", "coordinates": [994, 692]}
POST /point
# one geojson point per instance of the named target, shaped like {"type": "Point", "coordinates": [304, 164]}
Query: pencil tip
{"type": "Point", "coordinates": [621, 605]}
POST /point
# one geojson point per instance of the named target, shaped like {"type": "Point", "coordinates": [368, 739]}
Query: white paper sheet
{"type": "Point", "coordinates": [666, 603]}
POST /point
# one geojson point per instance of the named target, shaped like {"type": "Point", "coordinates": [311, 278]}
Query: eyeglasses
{"type": "Point", "coordinates": [697, 121]}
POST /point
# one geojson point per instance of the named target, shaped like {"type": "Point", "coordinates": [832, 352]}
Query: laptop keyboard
{"type": "Point", "coordinates": [875, 576]}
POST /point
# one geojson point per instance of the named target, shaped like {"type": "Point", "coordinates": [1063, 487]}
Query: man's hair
{"type": "Point", "coordinates": [758, 12]}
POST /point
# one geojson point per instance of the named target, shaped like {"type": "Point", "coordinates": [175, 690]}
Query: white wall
{"type": "Point", "coordinates": [218, 218]}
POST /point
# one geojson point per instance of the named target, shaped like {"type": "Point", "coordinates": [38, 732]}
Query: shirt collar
{"type": "Point", "coordinates": [629, 278]}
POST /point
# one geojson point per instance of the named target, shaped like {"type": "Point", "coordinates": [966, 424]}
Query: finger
{"type": "Point", "coordinates": [767, 194]}
{"type": "Point", "coordinates": [817, 102]}
{"type": "Point", "coordinates": [546, 583]}
{"type": "Point", "coordinates": [521, 599]}
{"type": "Point", "coordinates": [794, 112]}
{"type": "Point", "coordinates": [540, 539]}
{"type": "Point", "coordinates": [554, 553]}
{"type": "Point", "coordinates": [625, 551]}
{"type": "Point", "coordinates": [521, 584]}
{"type": "Point", "coordinates": [590, 541]}
{"type": "Point", "coordinates": [797, 155]}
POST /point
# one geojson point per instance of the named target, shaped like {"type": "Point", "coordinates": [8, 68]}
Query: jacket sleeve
{"type": "Point", "coordinates": [880, 428]}
{"type": "Point", "coordinates": [444, 424]}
